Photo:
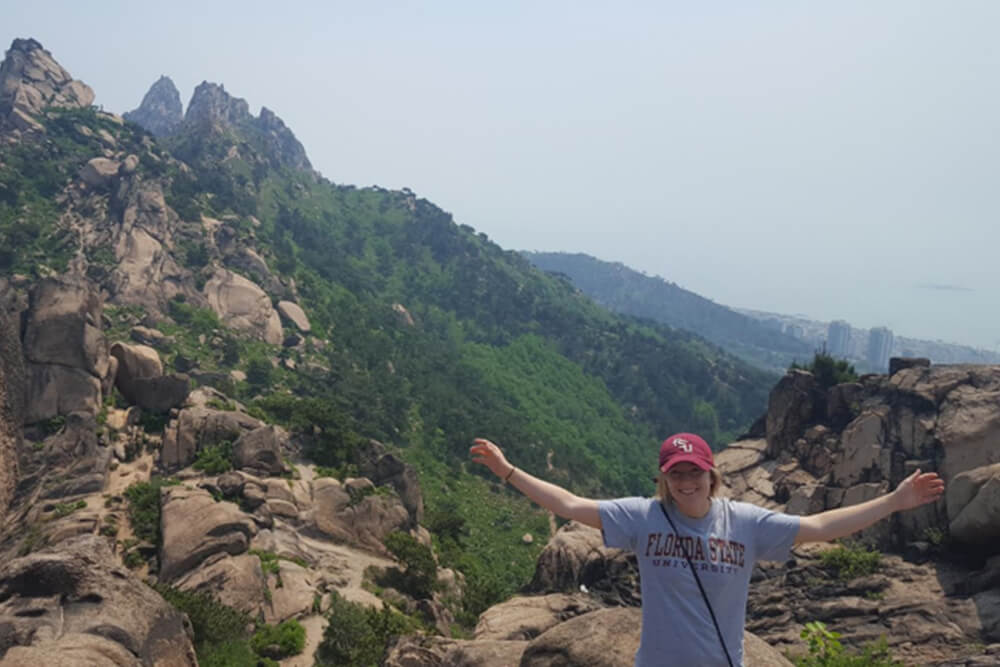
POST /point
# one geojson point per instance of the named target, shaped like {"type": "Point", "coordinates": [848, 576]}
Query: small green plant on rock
{"type": "Point", "coordinates": [825, 650]}
{"type": "Point", "coordinates": [850, 562]}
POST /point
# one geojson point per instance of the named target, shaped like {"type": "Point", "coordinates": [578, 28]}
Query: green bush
{"type": "Point", "coordinates": [825, 650]}
{"type": "Point", "coordinates": [220, 632]}
{"type": "Point", "coordinates": [144, 508]}
{"type": "Point", "coordinates": [419, 579]}
{"type": "Point", "coordinates": [849, 562]}
{"type": "Point", "coordinates": [279, 641]}
{"type": "Point", "coordinates": [64, 509]}
{"type": "Point", "coordinates": [829, 371]}
{"type": "Point", "coordinates": [215, 459]}
{"type": "Point", "coordinates": [357, 635]}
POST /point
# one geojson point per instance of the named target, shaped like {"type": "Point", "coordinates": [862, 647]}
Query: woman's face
{"type": "Point", "coordinates": [690, 487]}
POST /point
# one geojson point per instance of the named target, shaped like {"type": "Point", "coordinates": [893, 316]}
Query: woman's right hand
{"type": "Point", "coordinates": [488, 454]}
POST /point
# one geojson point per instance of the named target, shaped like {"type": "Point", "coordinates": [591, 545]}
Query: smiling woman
{"type": "Point", "coordinates": [695, 550]}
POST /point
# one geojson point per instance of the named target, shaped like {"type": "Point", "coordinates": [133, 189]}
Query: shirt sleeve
{"type": "Point", "coordinates": [773, 532]}
{"type": "Point", "coordinates": [620, 521]}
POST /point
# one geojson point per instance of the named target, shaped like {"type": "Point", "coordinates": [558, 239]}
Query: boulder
{"type": "Point", "coordinates": [99, 172]}
{"type": "Point", "coordinates": [260, 451]}
{"type": "Point", "coordinates": [135, 362]}
{"type": "Point", "coordinates": [605, 638]}
{"type": "Point", "coordinates": [76, 606]}
{"type": "Point", "coordinates": [198, 427]}
{"type": "Point", "coordinates": [367, 522]}
{"type": "Point", "coordinates": [293, 598]}
{"type": "Point", "coordinates": [196, 527]}
{"type": "Point", "coordinates": [235, 581]}
{"type": "Point", "coordinates": [973, 502]}
{"type": "Point", "coordinates": [161, 394]}
{"type": "Point", "coordinates": [243, 305]}
{"type": "Point", "coordinates": [526, 617]}
{"type": "Point", "coordinates": [292, 312]}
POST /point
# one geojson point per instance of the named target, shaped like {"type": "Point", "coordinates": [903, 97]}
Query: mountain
{"type": "Point", "coordinates": [202, 302]}
{"type": "Point", "coordinates": [626, 291]}
{"type": "Point", "coordinates": [160, 111]}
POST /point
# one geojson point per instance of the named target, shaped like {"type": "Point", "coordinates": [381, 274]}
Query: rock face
{"type": "Point", "coordinates": [198, 427]}
{"type": "Point", "coordinates": [65, 349]}
{"type": "Point", "coordinates": [852, 442]}
{"type": "Point", "coordinates": [30, 81]}
{"type": "Point", "coordinates": [72, 607]}
{"type": "Point", "coordinates": [211, 107]}
{"type": "Point", "coordinates": [259, 451]}
{"type": "Point", "coordinates": [160, 112]}
{"type": "Point", "coordinates": [243, 305]}
{"type": "Point", "coordinates": [195, 527]}
{"type": "Point", "coordinates": [139, 377]}
{"type": "Point", "coordinates": [344, 519]}
{"type": "Point", "coordinates": [12, 390]}
{"type": "Point", "coordinates": [292, 312]}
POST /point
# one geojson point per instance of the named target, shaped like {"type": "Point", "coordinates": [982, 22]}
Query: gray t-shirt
{"type": "Point", "coordinates": [724, 545]}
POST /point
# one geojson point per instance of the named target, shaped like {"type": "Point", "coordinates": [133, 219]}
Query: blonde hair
{"type": "Point", "coordinates": [663, 490]}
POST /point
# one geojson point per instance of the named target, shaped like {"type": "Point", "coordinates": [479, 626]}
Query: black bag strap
{"type": "Point", "coordinates": [701, 588]}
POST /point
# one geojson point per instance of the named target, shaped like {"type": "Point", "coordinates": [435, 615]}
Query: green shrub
{"type": "Point", "coordinates": [849, 562]}
{"type": "Point", "coordinates": [215, 459]}
{"type": "Point", "coordinates": [279, 641]}
{"type": "Point", "coordinates": [144, 508]}
{"type": "Point", "coordinates": [64, 509]}
{"type": "Point", "coordinates": [358, 635]}
{"type": "Point", "coordinates": [829, 371]}
{"type": "Point", "coordinates": [220, 632]}
{"type": "Point", "coordinates": [825, 650]}
{"type": "Point", "coordinates": [419, 579]}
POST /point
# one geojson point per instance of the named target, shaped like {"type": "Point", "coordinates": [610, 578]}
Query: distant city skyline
{"type": "Point", "coordinates": [835, 160]}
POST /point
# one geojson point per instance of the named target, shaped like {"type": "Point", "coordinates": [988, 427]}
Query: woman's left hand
{"type": "Point", "coordinates": [918, 489]}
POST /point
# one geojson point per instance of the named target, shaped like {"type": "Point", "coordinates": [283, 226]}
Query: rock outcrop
{"type": "Point", "coordinates": [140, 379]}
{"type": "Point", "coordinates": [244, 306]}
{"type": "Point", "coordinates": [211, 108]}
{"type": "Point", "coordinates": [71, 606]}
{"type": "Point", "coordinates": [198, 427]}
{"type": "Point", "coordinates": [65, 349]}
{"type": "Point", "coordinates": [30, 81]}
{"type": "Point", "coordinates": [160, 112]}
{"type": "Point", "coordinates": [196, 527]}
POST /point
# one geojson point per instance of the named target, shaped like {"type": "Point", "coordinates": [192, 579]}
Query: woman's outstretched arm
{"type": "Point", "coordinates": [553, 498]}
{"type": "Point", "coordinates": [916, 490]}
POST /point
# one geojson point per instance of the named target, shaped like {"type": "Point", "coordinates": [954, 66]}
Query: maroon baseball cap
{"type": "Point", "coordinates": [687, 447]}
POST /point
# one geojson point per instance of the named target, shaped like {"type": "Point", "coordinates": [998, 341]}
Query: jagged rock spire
{"type": "Point", "coordinates": [160, 112]}
{"type": "Point", "coordinates": [30, 80]}
{"type": "Point", "coordinates": [211, 106]}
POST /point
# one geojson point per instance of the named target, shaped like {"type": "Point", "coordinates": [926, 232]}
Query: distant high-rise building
{"type": "Point", "coordinates": [838, 339]}
{"type": "Point", "coordinates": [879, 348]}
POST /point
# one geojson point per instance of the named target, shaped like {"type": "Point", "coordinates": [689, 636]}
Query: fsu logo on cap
{"type": "Point", "coordinates": [683, 445]}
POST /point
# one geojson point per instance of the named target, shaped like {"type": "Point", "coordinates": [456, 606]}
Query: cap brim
{"type": "Point", "coordinates": [686, 458]}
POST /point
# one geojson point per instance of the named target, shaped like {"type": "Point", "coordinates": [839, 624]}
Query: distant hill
{"type": "Point", "coordinates": [627, 291]}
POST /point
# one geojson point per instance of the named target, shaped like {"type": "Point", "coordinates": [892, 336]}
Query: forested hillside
{"type": "Point", "coordinates": [629, 292]}
{"type": "Point", "coordinates": [424, 335]}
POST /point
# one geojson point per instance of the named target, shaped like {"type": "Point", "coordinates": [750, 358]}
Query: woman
{"type": "Point", "coordinates": [696, 551]}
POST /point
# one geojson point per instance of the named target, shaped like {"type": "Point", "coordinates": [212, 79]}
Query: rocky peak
{"type": "Point", "coordinates": [160, 112]}
{"type": "Point", "coordinates": [30, 80]}
{"type": "Point", "coordinates": [212, 105]}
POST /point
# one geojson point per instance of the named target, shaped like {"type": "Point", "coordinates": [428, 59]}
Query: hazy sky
{"type": "Point", "coordinates": [836, 160]}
